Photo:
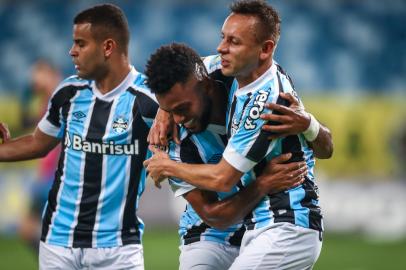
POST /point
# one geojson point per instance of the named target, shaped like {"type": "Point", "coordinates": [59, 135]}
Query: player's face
{"type": "Point", "coordinates": [87, 53]}
{"type": "Point", "coordinates": [189, 104]}
{"type": "Point", "coordinates": [238, 47]}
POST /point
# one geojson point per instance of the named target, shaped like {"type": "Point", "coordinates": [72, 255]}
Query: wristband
{"type": "Point", "coordinates": [313, 130]}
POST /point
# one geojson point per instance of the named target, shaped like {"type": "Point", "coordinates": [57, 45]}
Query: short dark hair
{"type": "Point", "coordinates": [268, 18]}
{"type": "Point", "coordinates": [171, 64]}
{"type": "Point", "coordinates": [107, 20]}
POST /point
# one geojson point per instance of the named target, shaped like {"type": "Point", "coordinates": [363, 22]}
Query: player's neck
{"type": "Point", "coordinates": [246, 79]}
{"type": "Point", "coordinates": [115, 75]}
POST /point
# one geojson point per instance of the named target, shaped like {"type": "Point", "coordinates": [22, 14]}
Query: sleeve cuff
{"type": "Point", "coordinates": [237, 160]}
{"type": "Point", "coordinates": [179, 187]}
{"type": "Point", "coordinates": [45, 126]}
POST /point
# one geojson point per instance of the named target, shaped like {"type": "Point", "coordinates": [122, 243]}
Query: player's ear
{"type": "Point", "coordinates": [267, 49]}
{"type": "Point", "coordinates": [109, 45]}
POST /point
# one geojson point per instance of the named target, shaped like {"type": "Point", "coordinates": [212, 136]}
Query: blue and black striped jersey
{"type": "Point", "coordinates": [248, 149]}
{"type": "Point", "coordinates": [204, 147]}
{"type": "Point", "coordinates": [100, 176]}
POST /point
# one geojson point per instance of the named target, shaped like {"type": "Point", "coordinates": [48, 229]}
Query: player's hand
{"type": "Point", "coordinates": [155, 165]}
{"type": "Point", "coordinates": [294, 119]}
{"type": "Point", "coordinates": [163, 128]}
{"type": "Point", "coordinates": [279, 176]}
{"type": "Point", "coordinates": [4, 133]}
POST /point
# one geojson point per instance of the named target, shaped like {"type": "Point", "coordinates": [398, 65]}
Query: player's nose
{"type": "Point", "coordinates": [72, 51]}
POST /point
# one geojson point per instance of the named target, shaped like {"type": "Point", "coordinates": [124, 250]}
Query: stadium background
{"type": "Point", "coordinates": [348, 62]}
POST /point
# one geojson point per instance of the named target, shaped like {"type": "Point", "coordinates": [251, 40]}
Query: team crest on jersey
{"type": "Point", "coordinates": [120, 124]}
{"type": "Point", "coordinates": [256, 109]}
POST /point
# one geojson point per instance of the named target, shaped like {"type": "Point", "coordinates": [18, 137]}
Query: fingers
{"type": "Point", "coordinates": [146, 162]}
{"type": "Point", "coordinates": [298, 174]}
{"type": "Point", "coordinates": [289, 97]}
{"type": "Point", "coordinates": [276, 117]}
{"type": "Point", "coordinates": [175, 134]}
{"type": "Point", "coordinates": [281, 159]}
{"type": "Point", "coordinates": [155, 149]}
{"type": "Point", "coordinates": [295, 166]}
{"type": "Point", "coordinates": [277, 128]}
{"type": "Point", "coordinates": [153, 135]}
{"type": "Point", "coordinates": [4, 132]}
{"type": "Point", "coordinates": [156, 183]}
{"type": "Point", "coordinates": [280, 108]}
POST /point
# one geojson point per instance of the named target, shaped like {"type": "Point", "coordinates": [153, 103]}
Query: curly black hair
{"type": "Point", "coordinates": [268, 17]}
{"type": "Point", "coordinates": [171, 64]}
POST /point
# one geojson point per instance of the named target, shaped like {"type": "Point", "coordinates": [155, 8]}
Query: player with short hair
{"type": "Point", "coordinates": [246, 52]}
{"type": "Point", "coordinates": [211, 227]}
{"type": "Point", "coordinates": [185, 99]}
{"type": "Point", "coordinates": [101, 117]}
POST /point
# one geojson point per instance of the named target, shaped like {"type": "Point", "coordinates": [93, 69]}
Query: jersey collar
{"type": "Point", "coordinates": [258, 83]}
{"type": "Point", "coordinates": [127, 82]}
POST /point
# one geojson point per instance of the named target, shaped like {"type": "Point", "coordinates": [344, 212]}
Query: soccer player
{"type": "Point", "coordinates": [101, 117]}
{"type": "Point", "coordinates": [284, 231]}
{"type": "Point", "coordinates": [211, 227]}
{"type": "Point", "coordinates": [212, 239]}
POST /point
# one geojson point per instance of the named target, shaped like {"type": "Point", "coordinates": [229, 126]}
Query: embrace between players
{"type": "Point", "coordinates": [242, 153]}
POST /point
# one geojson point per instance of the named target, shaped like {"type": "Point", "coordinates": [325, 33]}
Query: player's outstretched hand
{"type": "Point", "coordinates": [279, 176]}
{"type": "Point", "coordinates": [163, 128]}
{"type": "Point", "coordinates": [4, 133]}
{"type": "Point", "coordinates": [293, 119]}
{"type": "Point", "coordinates": [155, 165]}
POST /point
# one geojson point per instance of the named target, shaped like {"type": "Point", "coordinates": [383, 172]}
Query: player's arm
{"type": "Point", "coordinates": [224, 213]}
{"type": "Point", "coordinates": [295, 120]}
{"type": "Point", "coordinates": [31, 146]}
{"type": "Point", "coordinates": [220, 177]}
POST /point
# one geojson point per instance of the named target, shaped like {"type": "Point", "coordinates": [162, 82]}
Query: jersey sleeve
{"type": "Point", "coordinates": [53, 122]}
{"type": "Point", "coordinates": [180, 187]}
{"type": "Point", "coordinates": [186, 152]}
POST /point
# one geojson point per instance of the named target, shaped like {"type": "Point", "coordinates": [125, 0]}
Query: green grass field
{"type": "Point", "coordinates": [341, 252]}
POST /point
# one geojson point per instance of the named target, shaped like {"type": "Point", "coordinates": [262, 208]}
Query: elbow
{"type": "Point", "coordinates": [328, 153]}
{"type": "Point", "coordinates": [223, 184]}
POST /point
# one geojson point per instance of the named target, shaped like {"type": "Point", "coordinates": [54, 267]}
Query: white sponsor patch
{"type": "Point", "coordinates": [256, 110]}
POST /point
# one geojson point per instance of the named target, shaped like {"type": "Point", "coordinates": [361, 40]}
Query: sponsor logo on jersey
{"type": "Point", "coordinates": [79, 115]}
{"type": "Point", "coordinates": [76, 142]}
{"type": "Point", "coordinates": [120, 125]}
{"type": "Point", "coordinates": [235, 124]}
{"type": "Point", "coordinates": [256, 110]}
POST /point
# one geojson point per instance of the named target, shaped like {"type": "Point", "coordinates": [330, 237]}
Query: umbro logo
{"type": "Point", "coordinates": [79, 115]}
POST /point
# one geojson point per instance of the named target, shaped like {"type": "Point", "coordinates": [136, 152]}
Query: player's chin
{"type": "Point", "coordinates": [83, 75]}
{"type": "Point", "coordinates": [227, 71]}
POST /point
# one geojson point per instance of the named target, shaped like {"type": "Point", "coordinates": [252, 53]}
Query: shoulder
{"type": "Point", "coordinates": [73, 82]}
{"type": "Point", "coordinates": [145, 99]}
{"type": "Point", "coordinates": [68, 88]}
